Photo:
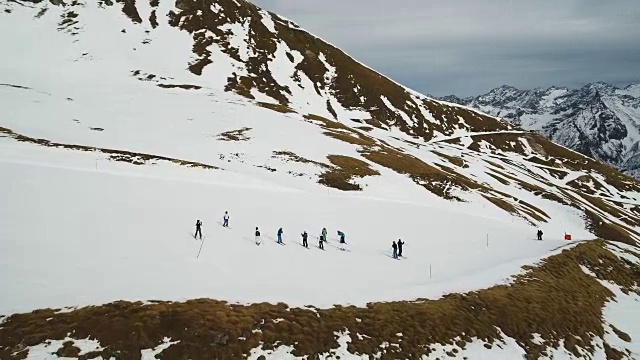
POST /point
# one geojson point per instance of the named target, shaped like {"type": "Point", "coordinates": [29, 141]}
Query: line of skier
{"type": "Point", "coordinates": [396, 246]}
{"type": "Point", "coordinates": [305, 238]}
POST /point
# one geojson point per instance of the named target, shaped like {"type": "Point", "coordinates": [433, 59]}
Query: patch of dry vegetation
{"type": "Point", "coordinates": [235, 135]}
{"type": "Point", "coordinates": [519, 208]}
{"type": "Point", "coordinates": [340, 174]}
{"type": "Point", "coordinates": [502, 180]}
{"type": "Point", "coordinates": [344, 169]}
{"type": "Point", "coordinates": [504, 205]}
{"type": "Point", "coordinates": [555, 299]}
{"type": "Point", "coordinates": [579, 162]}
{"type": "Point", "coordinates": [116, 155]}
{"type": "Point", "coordinates": [455, 160]}
{"type": "Point", "coordinates": [617, 212]}
{"type": "Point", "coordinates": [339, 131]}
{"type": "Point", "coordinates": [180, 86]}
{"type": "Point", "coordinates": [290, 156]}
{"type": "Point", "coordinates": [130, 10]}
{"type": "Point", "coordinates": [431, 178]}
{"type": "Point", "coordinates": [276, 107]}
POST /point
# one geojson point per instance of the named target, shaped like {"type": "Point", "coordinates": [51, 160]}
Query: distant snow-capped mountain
{"type": "Point", "coordinates": [599, 120]}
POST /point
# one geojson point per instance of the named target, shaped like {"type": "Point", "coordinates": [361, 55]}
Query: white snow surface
{"type": "Point", "coordinates": [77, 228]}
{"type": "Point", "coordinates": [66, 227]}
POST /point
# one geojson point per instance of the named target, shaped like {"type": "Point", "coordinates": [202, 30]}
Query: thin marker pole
{"type": "Point", "coordinates": [201, 243]}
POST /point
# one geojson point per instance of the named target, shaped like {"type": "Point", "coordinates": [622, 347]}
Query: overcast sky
{"type": "Point", "coordinates": [467, 47]}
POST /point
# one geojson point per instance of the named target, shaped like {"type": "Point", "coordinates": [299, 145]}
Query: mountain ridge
{"type": "Point", "coordinates": [606, 118]}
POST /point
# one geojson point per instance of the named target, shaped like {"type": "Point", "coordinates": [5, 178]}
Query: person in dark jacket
{"type": "Point", "coordinates": [198, 229]}
{"type": "Point", "coordinates": [400, 243]}
{"type": "Point", "coordinates": [304, 239]}
{"type": "Point", "coordinates": [342, 241]}
{"type": "Point", "coordinates": [539, 234]}
{"type": "Point", "coordinates": [321, 242]}
{"type": "Point", "coordinates": [280, 236]}
{"type": "Point", "coordinates": [395, 250]}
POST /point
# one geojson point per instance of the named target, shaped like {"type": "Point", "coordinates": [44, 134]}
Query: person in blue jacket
{"type": "Point", "coordinates": [280, 236]}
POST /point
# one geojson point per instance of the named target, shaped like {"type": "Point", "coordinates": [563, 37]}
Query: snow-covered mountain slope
{"type": "Point", "coordinates": [125, 122]}
{"type": "Point", "coordinates": [598, 120]}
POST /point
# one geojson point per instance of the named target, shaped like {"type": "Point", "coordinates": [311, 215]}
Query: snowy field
{"type": "Point", "coordinates": [78, 231]}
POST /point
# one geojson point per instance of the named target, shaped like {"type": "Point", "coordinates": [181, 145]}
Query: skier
{"type": "Point", "coordinates": [539, 234]}
{"type": "Point", "coordinates": [304, 239]}
{"type": "Point", "coordinates": [395, 250]}
{"type": "Point", "coordinates": [324, 234]}
{"type": "Point", "coordinates": [400, 243]}
{"type": "Point", "coordinates": [321, 243]}
{"type": "Point", "coordinates": [342, 242]}
{"type": "Point", "coordinates": [257, 236]}
{"type": "Point", "coordinates": [225, 219]}
{"type": "Point", "coordinates": [280, 236]}
{"type": "Point", "coordinates": [198, 229]}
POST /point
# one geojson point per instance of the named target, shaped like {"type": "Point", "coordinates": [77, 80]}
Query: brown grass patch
{"type": "Point", "coordinates": [581, 183]}
{"type": "Point", "coordinates": [153, 19]}
{"type": "Point", "coordinates": [534, 189]}
{"type": "Point", "coordinates": [495, 164]}
{"type": "Point", "coordinates": [607, 230]}
{"type": "Point", "coordinates": [458, 161]}
{"type": "Point", "coordinates": [431, 178]}
{"type": "Point", "coordinates": [555, 299]}
{"type": "Point", "coordinates": [290, 156]}
{"type": "Point", "coordinates": [523, 210]}
{"type": "Point", "coordinates": [499, 178]}
{"type": "Point", "coordinates": [345, 169]}
{"type": "Point", "coordinates": [180, 86]}
{"type": "Point", "coordinates": [503, 204]}
{"type": "Point", "coordinates": [621, 334]}
{"type": "Point", "coordinates": [348, 138]}
{"type": "Point", "coordinates": [616, 212]}
{"type": "Point", "coordinates": [117, 155]}
{"type": "Point", "coordinates": [579, 162]}
{"type": "Point", "coordinates": [235, 135]}
{"type": "Point", "coordinates": [276, 107]}
{"type": "Point", "coordinates": [339, 131]}
{"type": "Point", "coordinates": [131, 11]}
{"type": "Point", "coordinates": [68, 350]}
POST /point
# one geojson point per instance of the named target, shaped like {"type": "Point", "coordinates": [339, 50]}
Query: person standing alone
{"type": "Point", "coordinates": [280, 236]}
{"type": "Point", "coordinates": [539, 234]}
{"type": "Point", "coordinates": [225, 219]}
{"type": "Point", "coordinates": [198, 229]}
{"type": "Point", "coordinates": [304, 239]}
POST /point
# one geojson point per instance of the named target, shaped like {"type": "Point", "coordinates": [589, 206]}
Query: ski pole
{"type": "Point", "coordinates": [201, 243]}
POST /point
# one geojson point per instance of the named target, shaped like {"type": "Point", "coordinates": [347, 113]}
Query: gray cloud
{"type": "Point", "coordinates": [467, 47]}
